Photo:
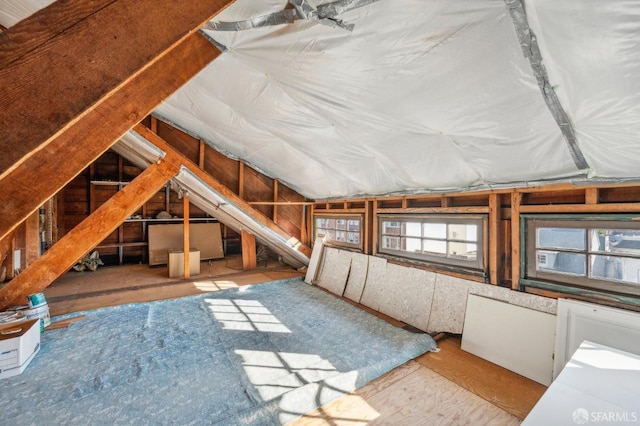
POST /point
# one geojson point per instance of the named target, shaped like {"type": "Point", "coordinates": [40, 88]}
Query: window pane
{"type": "Point", "coordinates": [353, 237]}
{"type": "Point", "coordinates": [613, 268]}
{"type": "Point", "coordinates": [411, 229]}
{"type": "Point", "coordinates": [353, 225]}
{"type": "Point", "coordinates": [320, 231]}
{"type": "Point", "coordinates": [341, 224]}
{"type": "Point", "coordinates": [561, 262]}
{"type": "Point", "coordinates": [434, 247]}
{"type": "Point", "coordinates": [331, 223]}
{"type": "Point", "coordinates": [341, 236]}
{"type": "Point", "coordinates": [561, 238]}
{"type": "Point", "coordinates": [392, 243]}
{"type": "Point", "coordinates": [463, 231]}
{"type": "Point", "coordinates": [617, 241]}
{"type": "Point", "coordinates": [321, 222]}
{"type": "Point", "coordinates": [331, 234]}
{"type": "Point", "coordinates": [413, 245]}
{"type": "Point", "coordinates": [466, 251]}
{"type": "Point", "coordinates": [435, 230]}
{"type": "Point", "coordinates": [391, 228]}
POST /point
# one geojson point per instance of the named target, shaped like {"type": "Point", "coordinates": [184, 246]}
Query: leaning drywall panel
{"type": "Point", "coordinates": [315, 261]}
{"type": "Point", "coordinates": [335, 271]}
{"type": "Point", "coordinates": [518, 298]}
{"type": "Point", "coordinates": [375, 288]}
{"type": "Point", "coordinates": [409, 295]}
{"type": "Point", "coordinates": [449, 303]}
{"type": "Point", "coordinates": [357, 276]}
{"type": "Point", "coordinates": [516, 338]}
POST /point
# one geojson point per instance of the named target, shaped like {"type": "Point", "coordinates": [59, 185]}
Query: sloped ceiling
{"type": "Point", "coordinates": [420, 95]}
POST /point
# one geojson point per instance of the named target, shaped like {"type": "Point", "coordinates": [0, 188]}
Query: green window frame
{"type": "Point", "coordinates": [450, 241]}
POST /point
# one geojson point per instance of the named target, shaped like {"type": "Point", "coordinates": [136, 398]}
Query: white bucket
{"type": "Point", "coordinates": [41, 312]}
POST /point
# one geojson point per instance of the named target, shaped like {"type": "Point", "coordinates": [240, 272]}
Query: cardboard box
{"type": "Point", "coordinates": [19, 344]}
{"type": "Point", "coordinates": [176, 263]}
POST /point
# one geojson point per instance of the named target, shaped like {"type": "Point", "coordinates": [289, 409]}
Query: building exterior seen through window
{"type": "Point", "coordinates": [342, 230]}
{"type": "Point", "coordinates": [603, 255]}
{"type": "Point", "coordinates": [453, 240]}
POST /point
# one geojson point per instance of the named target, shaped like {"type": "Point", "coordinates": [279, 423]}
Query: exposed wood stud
{"type": "Point", "coordinates": [248, 251]}
{"type": "Point", "coordinates": [404, 203]}
{"type": "Point", "coordinates": [32, 238]}
{"type": "Point", "coordinates": [185, 235]}
{"type": "Point", "coordinates": [374, 222]}
{"type": "Point", "coordinates": [445, 202]}
{"type": "Point", "coordinates": [275, 200]}
{"type": "Point", "coordinates": [201, 150]}
{"type": "Point", "coordinates": [592, 196]}
{"type": "Point", "coordinates": [154, 124]}
{"type": "Point", "coordinates": [81, 239]}
{"type": "Point", "coordinates": [241, 179]}
{"type": "Point", "coordinates": [495, 267]}
{"type": "Point", "coordinates": [516, 199]}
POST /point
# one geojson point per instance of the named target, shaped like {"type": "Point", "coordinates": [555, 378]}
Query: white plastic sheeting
{"type": "Point", "coordinates": [14, 11]}
{"type": "Point", "coordinates": [421, 95]}
{"type": "Point", "coordinates": [592, 55]}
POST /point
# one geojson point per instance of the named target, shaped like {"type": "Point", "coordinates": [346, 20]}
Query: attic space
{"type": "Point", "coordinates": [320, 212]}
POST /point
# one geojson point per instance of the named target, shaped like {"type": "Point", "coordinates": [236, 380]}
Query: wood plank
{"type": "Point", "coordinates": [495, 260]}
{"type": "Point", "coordinates": [216, 185]}
{"type": "Point", "coordinates": [509, 391]}
{"type": "Point", "coordinates": [427, 210]}
{"type": "Point", "coordinates": [84, 65]}
{"type": "Point", "coordinates": [81, 239]}
{"type": "Point", "coordinates": [248, 251]}
{"type": "Point", "coordinates": [275, 200]}
{"type": "Point", "coordinates": [185, 235]}
{"type": "Point", "coordinates": [241, 179]}
{"type": "Point", "coordinates": [32, 238]}
{"type": "Point", "coordinates": [516, 199]}
{"type": "Point", "coordinates": [583, 208]}
{"type": "Point", "coordinates": [23, 191]}
{"type": "Point", "coordinates": [65, 323]}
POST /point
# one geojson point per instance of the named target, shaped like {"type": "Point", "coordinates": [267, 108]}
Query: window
{"type": "Point", "coordinates": [450, 240]}
{"type": "Point", "coordinates": [598, 254]}
{"type": "Point", "coordinates": [340, 229]}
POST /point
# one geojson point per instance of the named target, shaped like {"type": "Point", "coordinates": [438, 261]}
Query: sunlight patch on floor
{"type": "Point", "coordinates": [245, 315]}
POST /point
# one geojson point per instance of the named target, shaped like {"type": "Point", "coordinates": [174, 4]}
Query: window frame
{"type": "Point", "coordinates": [473, 267]}
{"type": "Point", "coordinates": [572, 283]}
{"type": "Point", "coordinates": [338, 216]}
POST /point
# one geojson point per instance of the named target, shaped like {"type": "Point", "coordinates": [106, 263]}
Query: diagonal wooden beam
{"type": "Point", "coordinates": [56, 84]}
{"type": "Point", "coordinates": [217, 185]}
{"type": "Point", "coordinates": [48, 170]}
{"type": "Point", "coordinates": [77, 242]}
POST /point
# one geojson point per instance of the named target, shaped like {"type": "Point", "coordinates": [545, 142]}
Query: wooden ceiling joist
{"type": "Point", "coordinates": [81, 239]}
{"type": "Point", "coordinates": [44, 172]}
{"type": "Point", "coordinates": [54, 85]}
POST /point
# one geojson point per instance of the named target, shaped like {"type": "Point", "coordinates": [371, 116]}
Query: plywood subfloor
{"type": "Point", "coordinates": [117, 285]}
{"type": "Point", "coordinates": [449, 387]}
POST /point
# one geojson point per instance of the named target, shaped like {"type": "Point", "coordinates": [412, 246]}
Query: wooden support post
{"type": "Point", "coordinates": [248, 251]}
{"type": "Point", "coordinates": [275, 200]}
{"type": "Point", "coordinates": [154, 124]}
{"type": "Point", "coordinates": [86, 235]}
{"type": "Point", "coordinates": [495, 260]}
{"type": "Point", "coordinates": [185, 234]}
{"type": "Point", "coordinates": [374, 229]}
{"type": "Point", "coordinates": [32, 238]}
{"type": "Point", "coordinates": [516, 200]}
